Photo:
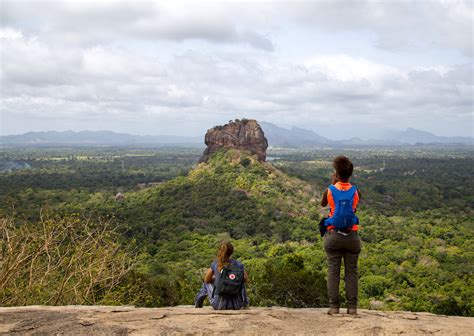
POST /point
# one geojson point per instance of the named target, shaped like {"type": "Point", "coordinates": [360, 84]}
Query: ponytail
{"type": "Point", "coordinates": [223, 254]}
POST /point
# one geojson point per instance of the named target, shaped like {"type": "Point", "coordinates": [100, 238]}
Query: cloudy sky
{"type": "Point", "coordinates": [340, 68]}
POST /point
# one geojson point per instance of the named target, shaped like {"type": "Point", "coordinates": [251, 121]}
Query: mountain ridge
{"type": "Point", "coordinates": [231, 192]}
{"type": "Point", "coordinates": [86, 137]}
{"type": "Point", "coordinates": [277, 136]}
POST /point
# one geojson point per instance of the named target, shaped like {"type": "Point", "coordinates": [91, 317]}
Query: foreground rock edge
{"type": "Point", "coordinates": [128, 320]}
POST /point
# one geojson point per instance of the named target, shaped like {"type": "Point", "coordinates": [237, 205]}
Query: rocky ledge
{"type": "Point", "coordinates": [107, 320]}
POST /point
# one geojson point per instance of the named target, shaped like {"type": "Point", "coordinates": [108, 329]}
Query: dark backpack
{"type": "Point", "coordinates": [229, 281]}
{"type": "Point", "coordinates": [343, 217]}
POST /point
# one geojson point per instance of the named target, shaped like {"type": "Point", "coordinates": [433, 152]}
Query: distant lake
{"type": "Point", "coordinates": [271, 158]}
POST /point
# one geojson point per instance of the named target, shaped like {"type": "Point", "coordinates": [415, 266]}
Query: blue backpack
{"type": "Point", "coordinates": [343, 217]}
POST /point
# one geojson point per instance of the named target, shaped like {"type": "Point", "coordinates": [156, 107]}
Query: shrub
{"type": "Point", "coordinates": [59, 261]}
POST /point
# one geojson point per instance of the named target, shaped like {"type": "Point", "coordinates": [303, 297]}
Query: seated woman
{"type": "Point", "coordinates": [220, 302]}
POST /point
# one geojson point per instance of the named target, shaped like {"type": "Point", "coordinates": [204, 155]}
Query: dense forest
{"type": "Point", "coordinates": [67, 239]}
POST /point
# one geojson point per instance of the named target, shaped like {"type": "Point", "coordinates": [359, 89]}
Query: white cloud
{"type": "Point", "coordinates": [105, 65]}
{"type": "Point", "coordinates": [398, 25]}
{"type": "Point", "coordinates": [10, 34]}
{"type": "Point", "coordinates": [346, 68]}
{"type": "Point", "coordinates": [101, 83]}
{"type": "Point", "coordinates": [72, 22]}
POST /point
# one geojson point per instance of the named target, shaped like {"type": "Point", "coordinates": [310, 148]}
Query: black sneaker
{"type": "Point", "coordinates": [352, 311]}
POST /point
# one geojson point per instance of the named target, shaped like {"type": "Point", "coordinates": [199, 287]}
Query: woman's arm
{"type": "Point", "coordinates": [209, 276]}
{"type": "Point", "coordinates": [324, 200]}
{"type": "Point", "coordinates": [246, 277]}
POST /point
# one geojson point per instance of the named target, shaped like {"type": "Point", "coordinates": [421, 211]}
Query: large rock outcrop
{"type": "Point", "coordinates": [181, 320]}
{"type": "Point", "coordinates": [239, 134]}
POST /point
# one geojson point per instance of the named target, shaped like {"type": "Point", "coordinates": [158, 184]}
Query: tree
{"type": "Point", "coordinates": [59, 261]}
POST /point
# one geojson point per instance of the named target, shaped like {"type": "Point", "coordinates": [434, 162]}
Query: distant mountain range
{"type": "Point", "coordinates": [96, 138]}
{"type": "Point", "coordinates": [297, 137]}
{"type": "Point", "coordinates": [277, 137]}
{"type": "Point", "coordinates": [413, 136]}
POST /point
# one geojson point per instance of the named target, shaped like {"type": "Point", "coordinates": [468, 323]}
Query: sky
{"type": "Point", "coordinates": [339, 68]}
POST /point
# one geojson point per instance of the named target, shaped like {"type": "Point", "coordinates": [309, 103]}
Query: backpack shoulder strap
{"type": "Point", "coordinates": [335, 193]}
{"type": "Point", "coordinates": [349, 193]}
{"type": "Point", "coordinates": [342, 194]}
{"type": "Point", "coordinates": [352, 191]}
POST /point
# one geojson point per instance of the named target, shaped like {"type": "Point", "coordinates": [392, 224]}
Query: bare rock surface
{"type": "Point", "coordinates": [186, 320]}
{"type": "Point", "coordinates": [239, 134]}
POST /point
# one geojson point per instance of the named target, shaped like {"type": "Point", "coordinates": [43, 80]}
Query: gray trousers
{"type": "Point", "coordinates": [338, 247]}
{"type": "Point", "coordinates": [220, 303]}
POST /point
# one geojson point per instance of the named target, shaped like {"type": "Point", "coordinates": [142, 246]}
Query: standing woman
{"type": "Point", "coordinates": [211, 279]}
{"type": "Point", "coordinates": [341, 239]}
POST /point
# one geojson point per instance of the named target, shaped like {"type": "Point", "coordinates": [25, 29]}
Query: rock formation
{"type": "Point", "coordinates": [181, 320]}
{"type": "Point", "coordinates": [239, 134]}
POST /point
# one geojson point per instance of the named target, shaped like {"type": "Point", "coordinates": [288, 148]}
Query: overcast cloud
{"type": "Point", "coordinates": [340, 68]}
